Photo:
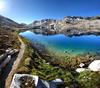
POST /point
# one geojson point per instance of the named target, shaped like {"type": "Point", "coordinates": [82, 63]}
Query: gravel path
{"type": "Point", "coordinates": [15, 64]}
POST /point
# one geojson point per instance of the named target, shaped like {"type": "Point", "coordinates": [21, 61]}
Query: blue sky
{"type": "Point", "coordinates": [27, 11]}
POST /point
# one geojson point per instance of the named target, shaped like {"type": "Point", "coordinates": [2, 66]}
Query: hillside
{"type": "Point", "coordinates": [7, 23]}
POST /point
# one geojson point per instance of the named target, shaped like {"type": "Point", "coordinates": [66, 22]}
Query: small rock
{"type": "Point", "coordinates": [47, 63]}
{"type": "Point", "coordinates": [82, 65]}
{"type": "Point", "coordinates": [26, 84]}
{"type": "Point", "coordinates": [8, 50]}
{"type": "Point", "coordinates": [11, 52]}
{"type": "Point", "coordinates": [57, 80]}
{"type": "Point", "coordinates": [6, 36]}
{"type": "Point", "coordinates": [16, 50]}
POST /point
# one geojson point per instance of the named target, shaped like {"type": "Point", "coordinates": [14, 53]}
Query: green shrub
{"type": "Point", "coordinates": [89, 79]}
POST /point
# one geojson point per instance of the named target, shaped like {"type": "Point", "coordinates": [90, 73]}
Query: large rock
{"type": "Point", "coordinates": [26, 79]}
{"type": "Point", "coordinates": [5, 62]}
{"type": "Point", "coordinates": [95, 65]}
{"type": "Point", "coordinates": [16, 80]}
{"type": "Point", "coordinates": [2, 57]}
{"type": "Point", "coordinates": [81, 70]}
{"type": "Point", "coordinates": [12, 51]}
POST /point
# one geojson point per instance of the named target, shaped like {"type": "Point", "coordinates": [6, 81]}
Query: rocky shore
{"type": "Point", "coordinates": [70, 25]}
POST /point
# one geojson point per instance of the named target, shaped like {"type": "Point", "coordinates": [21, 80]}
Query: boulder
{"type": "Point", "coordinates": [95, 65]}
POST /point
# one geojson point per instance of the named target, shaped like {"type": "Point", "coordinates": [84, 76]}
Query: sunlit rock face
{"type": "Point", "coordinates": [95, 65]}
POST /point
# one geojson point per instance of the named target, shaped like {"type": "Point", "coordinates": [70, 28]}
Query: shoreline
{"type": "Point", "coordinates": [56, 61]}
{"type": "Point", "coordinates": [68, 32]}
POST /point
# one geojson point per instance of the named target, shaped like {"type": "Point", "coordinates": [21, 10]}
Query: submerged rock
{"type": "Point", "coordinates": [95, 65]}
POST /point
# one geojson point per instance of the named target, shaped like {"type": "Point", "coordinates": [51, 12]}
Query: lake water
{"type": "Point", "coordinates": [60, 44]}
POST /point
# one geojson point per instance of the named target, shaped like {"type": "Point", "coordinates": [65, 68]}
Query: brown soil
{"type": "Point", "coordinates": [8, 40]}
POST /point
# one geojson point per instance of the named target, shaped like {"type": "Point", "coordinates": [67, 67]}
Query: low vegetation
{"type": "Point", "coordinates": [89, 79]}
{"type": "Point", "coordinates": [33, 63]}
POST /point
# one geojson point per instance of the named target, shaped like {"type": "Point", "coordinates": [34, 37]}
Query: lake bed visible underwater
{"type": "Point", "coordinates": [60, 44]}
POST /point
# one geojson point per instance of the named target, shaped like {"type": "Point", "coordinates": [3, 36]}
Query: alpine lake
{"type": "Point", "coordinates": [61, 45]}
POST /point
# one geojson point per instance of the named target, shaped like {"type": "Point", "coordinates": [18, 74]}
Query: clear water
{"type": "Point", "coordinates": [61, 44]}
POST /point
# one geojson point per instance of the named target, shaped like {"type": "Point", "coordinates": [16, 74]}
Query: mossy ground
{"type": "Point", "coordinates": [38, 66]}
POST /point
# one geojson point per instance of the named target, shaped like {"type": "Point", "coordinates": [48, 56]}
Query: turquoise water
{"type": "Point", "coordinates": [61, 44]}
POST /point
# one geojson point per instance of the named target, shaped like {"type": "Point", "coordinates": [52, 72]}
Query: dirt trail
{"type": "Point", "coordinates": [15, 64]}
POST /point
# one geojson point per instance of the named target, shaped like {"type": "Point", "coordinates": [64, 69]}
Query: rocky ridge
{"type": "Point", "coordinates": [70, 25]}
